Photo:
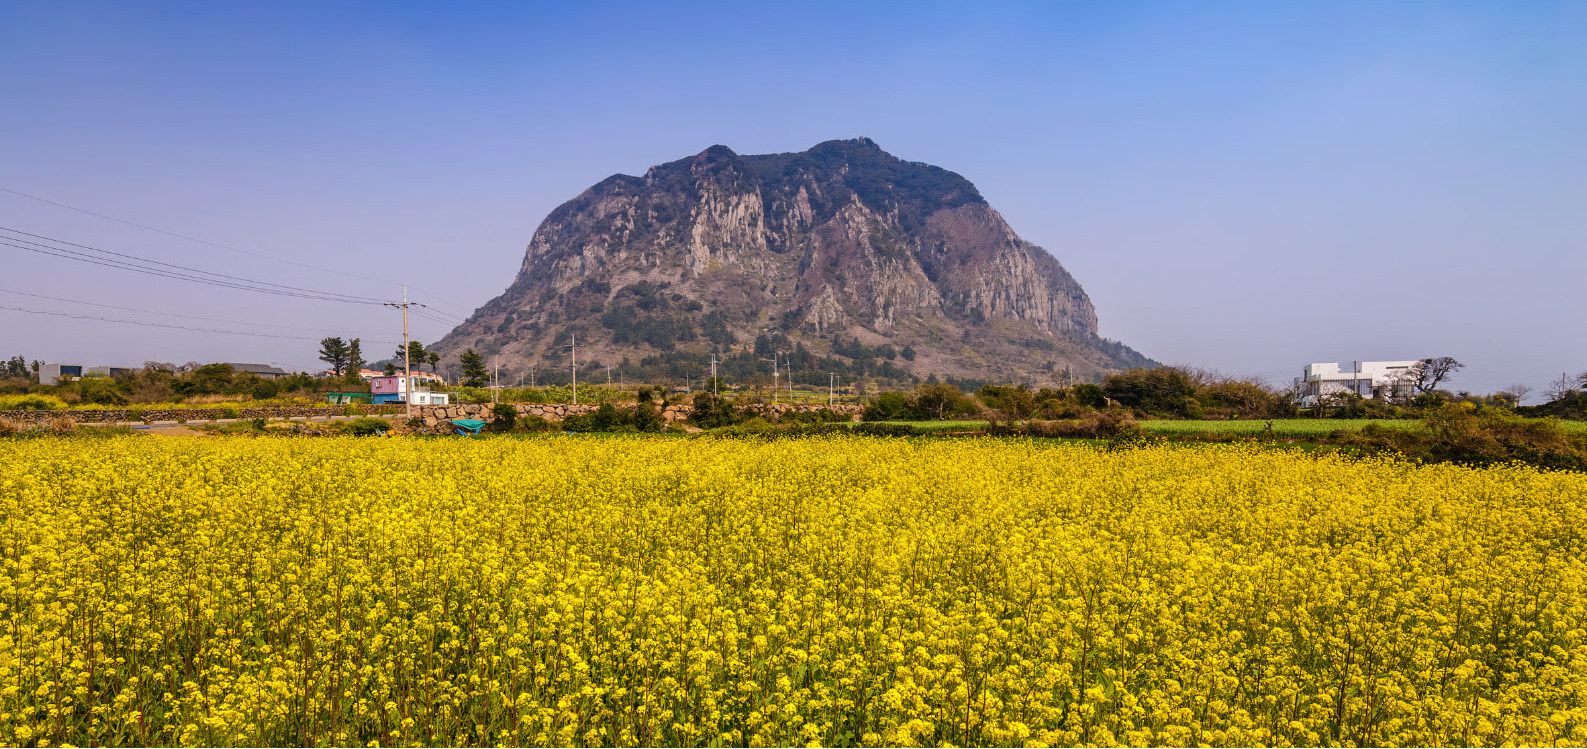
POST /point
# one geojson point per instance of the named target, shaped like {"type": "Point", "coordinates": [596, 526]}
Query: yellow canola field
{"type": "Point", "coordinates": [828, 591]}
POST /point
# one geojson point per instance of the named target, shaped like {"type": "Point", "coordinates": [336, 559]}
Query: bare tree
{"type": "Point", "coordinates": [1560, 389]}
{"type": "Point", "coordinates": [1517, 393]}
{"type": "Point", "coordinates": [1426, 374]}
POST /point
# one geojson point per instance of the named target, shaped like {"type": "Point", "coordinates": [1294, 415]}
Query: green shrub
{"type": "Point", "coordinates": [506, 417]}
{"type": "Point", "coordinates": [1462, 433]}
{"type": "Point", "coordinates": [366, 427]}
{"type": "Point", "coordinates": [817, 416]}
{"type": "Point", "coordinates": [1164, 391]}
{"type": "Point", "coordinates": [888, 406]}
{"type": "Point", "coordinates": [1087, 394]}
{"type": "Point", "coordinates": [1114, 425]}
{"type": "Point", "coordinates": [533, 423]}
{"type": "Point", "coordinates": [713, 412]}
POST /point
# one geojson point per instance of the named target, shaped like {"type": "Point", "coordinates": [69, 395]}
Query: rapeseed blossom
{"type": "Point", "coordinates": [823, 591]}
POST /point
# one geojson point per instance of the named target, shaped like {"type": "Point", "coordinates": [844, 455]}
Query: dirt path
{"type": "Point", "coordinates": [176, 430]}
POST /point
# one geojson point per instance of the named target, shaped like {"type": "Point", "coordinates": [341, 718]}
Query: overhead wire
{"type": "Point", "coordinates": [216, 245]}
{"type": "Point", "coordinates": [164, 325]}
{"type": "Point", "coordinates": [172, 314]}
{"type": "Point", "coordinates": [168, 270]}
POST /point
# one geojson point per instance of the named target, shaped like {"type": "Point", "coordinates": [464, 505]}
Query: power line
{"type": "Point", "coordinates": [162, 325]}
{"type": "Point", "coordinates": [171, 314]}
{"type": "Point", "coordinates": [180, 272]}
{"type": "Point", "coordinates": [207, 243]}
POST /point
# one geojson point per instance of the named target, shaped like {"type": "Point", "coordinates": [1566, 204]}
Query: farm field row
{"type": "Point", "coordinates": [841, 590]}
{"type": "Point", "coordinates": [1301, 428]}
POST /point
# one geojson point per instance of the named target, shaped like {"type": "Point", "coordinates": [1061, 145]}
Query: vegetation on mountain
{"type": "Point", "coordinates": [883, 269]}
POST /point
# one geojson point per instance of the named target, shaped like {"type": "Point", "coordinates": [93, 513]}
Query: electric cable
{"type": "Point", "coordinates": [208, 243]}
{"type": "Point", "coordinates": [173, 314]}
{"type": "Point", "coordinates": [242, 284]}
{"type": "Point", "coordinates": [177, 268]}
{"type": "Point", "coordinates": [166, 325]}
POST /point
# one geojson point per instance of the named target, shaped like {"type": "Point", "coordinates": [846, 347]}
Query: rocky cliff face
{"type": "Point", "coordinates": [843, 251]}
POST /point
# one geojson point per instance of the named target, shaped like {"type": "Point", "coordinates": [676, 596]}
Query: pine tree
{"type": "Point", "coordinates": [474, 373]}
{"type": "Point", "coordinates": [355, 360]}
{"type": "Point", "coordinates": [333, 351]}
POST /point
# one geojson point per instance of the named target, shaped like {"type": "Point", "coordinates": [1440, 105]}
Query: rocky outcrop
{"type": "Point", "coordinates": [841, 239]}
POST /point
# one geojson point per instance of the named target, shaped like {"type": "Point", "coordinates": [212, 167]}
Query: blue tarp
{"type": "Point", "coordinates": [471, 425]}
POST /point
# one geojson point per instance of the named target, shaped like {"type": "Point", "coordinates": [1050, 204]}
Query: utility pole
{"type": "Point", "coordinates": [495, 378]}
{"type": "Point", "coordinates": [775, 371]}
{"type": "Point", "coordinates": [608, 375]}
{"type": "Point", "coordinates": [573, 347]}
{"type": "Point", "coordinates": [832, 379]}
{"type": "Point", "coordinates": [407, 356]}
{"type": "Point", "coordinates": [532, 368]}
{"type": "Point", "coordinates": [713, 375]}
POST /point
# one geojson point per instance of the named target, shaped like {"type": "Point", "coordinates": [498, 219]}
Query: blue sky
{"type": "Point", "coordinates": [1242, 186]}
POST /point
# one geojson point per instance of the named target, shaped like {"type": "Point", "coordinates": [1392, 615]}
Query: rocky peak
{"type": "Point", "coordinates": [843, 239]}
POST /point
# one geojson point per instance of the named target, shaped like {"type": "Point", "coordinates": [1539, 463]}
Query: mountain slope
{"type": "Point", "coordinates": [843, 256]}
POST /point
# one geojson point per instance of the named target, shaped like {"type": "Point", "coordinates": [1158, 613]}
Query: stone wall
{"type": "Point", "coordinates": [434, 415]}
{"type": "Point", "coordinates": [112, 415]}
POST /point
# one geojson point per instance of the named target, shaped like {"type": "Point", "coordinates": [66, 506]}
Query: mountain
{"type": "Point", "coordinates": [843, 258]}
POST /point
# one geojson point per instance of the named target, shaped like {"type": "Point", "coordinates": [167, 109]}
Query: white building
{"type": "Point", "coordinates": [394, 389]}
{"type": "Point", "coordinates": [55, 373]}
{"type": "Point", "coordinates": [419, 377]}
{"type": "Point", "coordinates": [1368, 379]}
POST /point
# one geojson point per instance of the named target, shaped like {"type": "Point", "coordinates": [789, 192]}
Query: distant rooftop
{"type": "Point", "coordinates": [258, 369]}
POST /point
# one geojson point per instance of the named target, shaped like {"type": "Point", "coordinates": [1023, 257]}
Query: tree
{"type": "Point", "coordinates": [415, 352]}
{"type": "Point", "coordinates": [1516, 393]}
{"type": "Point", "coordinates": [17, 366]}
{"type": "Point", "coordinates": [333, 351]}
{"type": "Point", "coordinates": [1561, 388]}
{"type": "Point", "coordinates": [355, 356]}
{"type": "Point", "coordinates": [474, 373]}
{"type": "Point", "coordinates": [1426, 374]}
{"type": "Point", "coordinates": [938, 401]}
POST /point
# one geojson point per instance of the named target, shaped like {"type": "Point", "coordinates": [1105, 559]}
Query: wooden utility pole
{"type": "Point", "coordinates": [775, 371]}
{"type": "Point", "coordinates": [832, 379]}
{"type": "Point", "coordinates": [407, 356]}
{"type": "Point", "coordinates": [713, 375]}
{"type": "Point", "coordinates": [573, 347]}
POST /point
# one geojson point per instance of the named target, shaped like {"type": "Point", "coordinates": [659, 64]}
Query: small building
{"type": "Point", "coordinates": [56, 373]}
{"type": "Point", "coordinates": [1368, 379]}
{"type": "Point", "coordinates": [394, 389]}
{"type": "Point", "coordinates": [262, 371]}
{"type": "Point", "coordinates": [419, 377]}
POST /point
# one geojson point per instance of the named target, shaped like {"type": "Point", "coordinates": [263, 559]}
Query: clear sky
{"type": "Point", "coordinates": [1242, 186]}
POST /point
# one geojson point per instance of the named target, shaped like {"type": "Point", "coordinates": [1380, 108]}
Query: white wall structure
{"type": "Point", "coordinates": [1368, 379]}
